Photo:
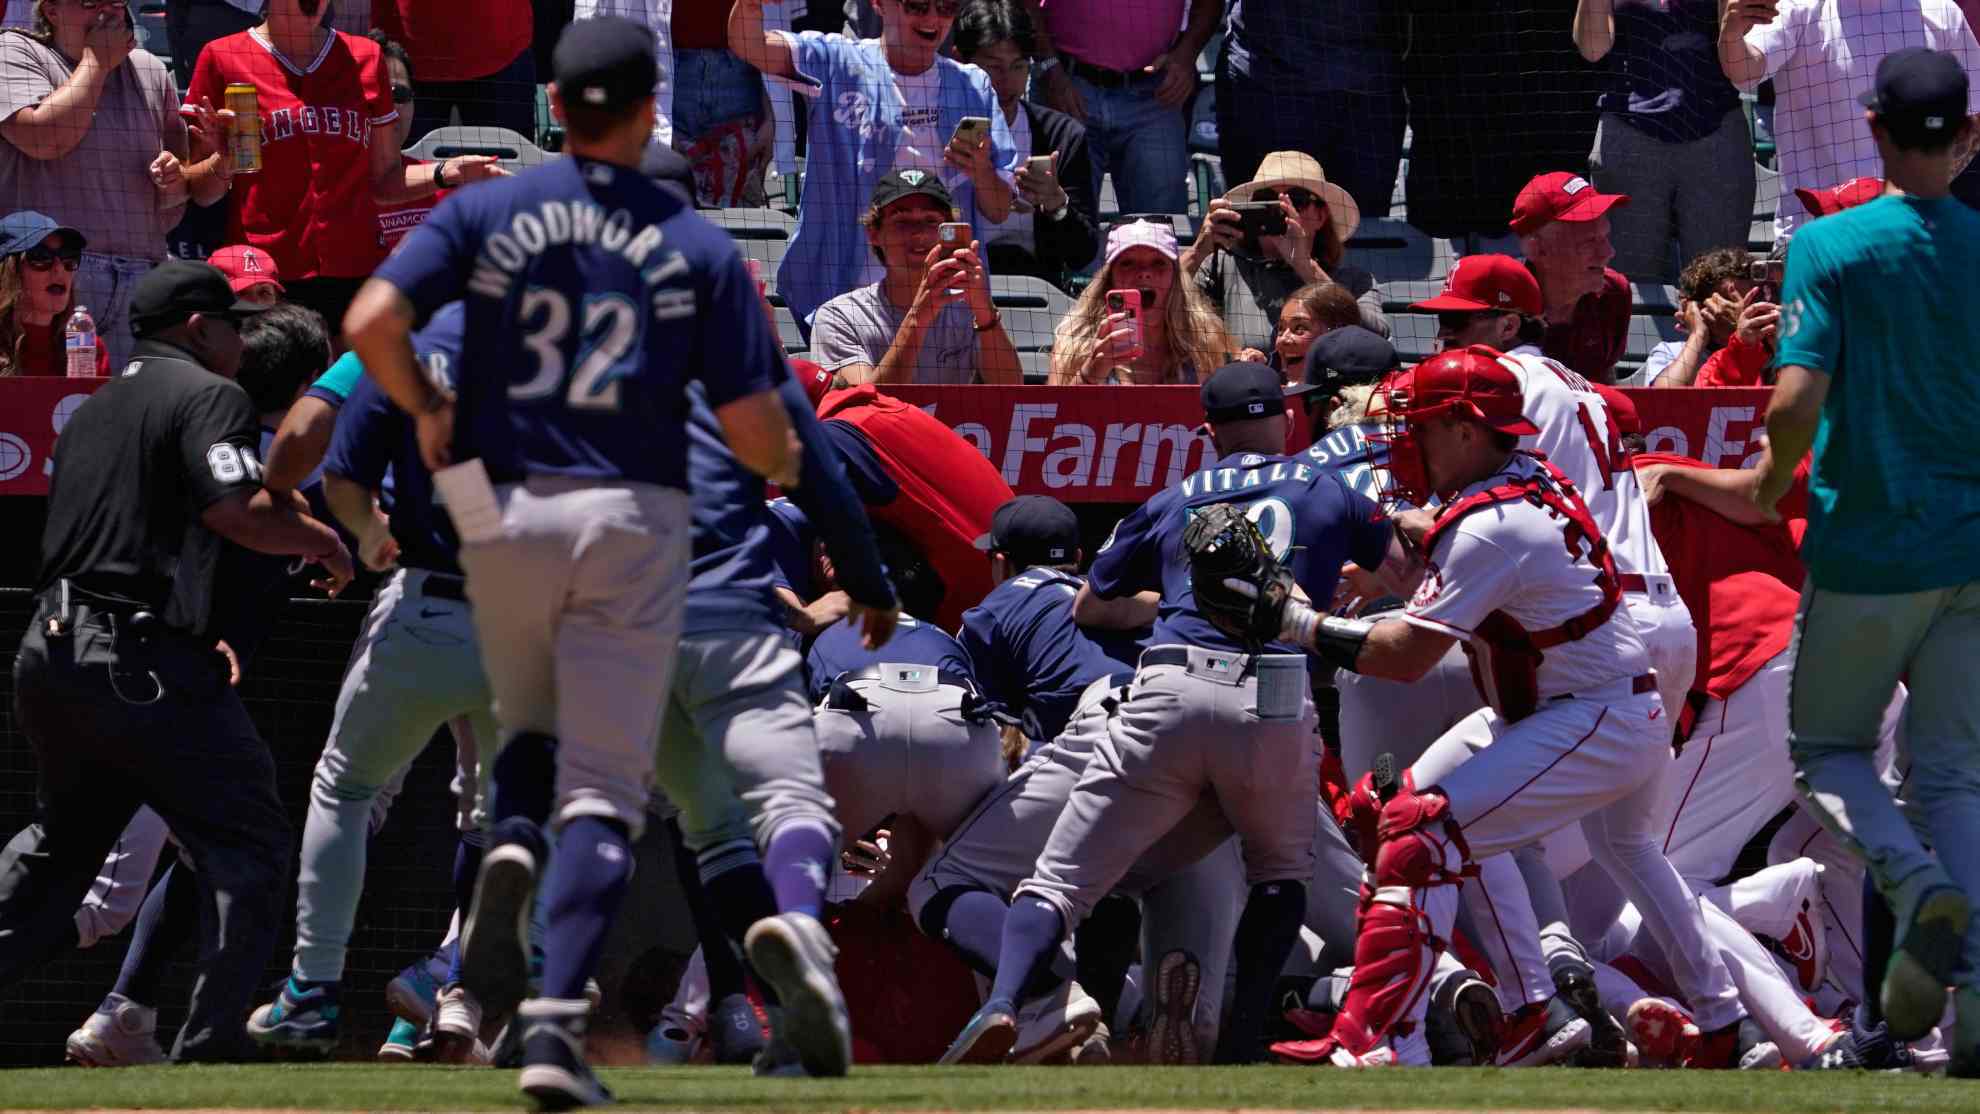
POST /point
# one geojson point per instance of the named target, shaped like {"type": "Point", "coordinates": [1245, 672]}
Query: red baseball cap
{"type": "Point", "coordinates": [1560, 196]}
{"type": "Point", "coordinates": [1472, 383]}
{"type": "Point", "coordinates": [246, 266]}
{"type": "Point", "coordinates": [1856, 191]}
{"type": "Point", "coordinates": [816, 381]}
{"type": "Point", "coordinates": [1488, 282]}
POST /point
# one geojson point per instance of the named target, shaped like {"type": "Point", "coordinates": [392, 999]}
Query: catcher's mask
{"type": "Point", "coordinates": [1469, 383]}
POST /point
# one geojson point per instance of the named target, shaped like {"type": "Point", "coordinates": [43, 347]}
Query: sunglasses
{"type": "Point", "coordinates": [1455, 320]}
{"type": "Point", "coordinates": [947, 9]}
{"type": "Point", "coordinates": [402, 94]}
{"type": "Point", "coordinates": [41, 259]}
{"type": "Point", "coordinates": [1300, 198]}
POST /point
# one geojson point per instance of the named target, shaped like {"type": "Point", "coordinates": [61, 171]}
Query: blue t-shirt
{"type": "Point", "coordinates": [733, 565]}
{"type": "Point", "coordinates": [1031, 659]}
{"type": "Point", "coordinates": [593, 297]}
{"type": "Point", "coordinates": [375, 438]}
{"type": "Point", "coordinates": [857, 127]}
{"type": "Point", "coordinates": [837, 650]}
{"type": "Point", "coordinates": [1312, 521]}
{"type": "Point", "coordinates": [1883, 298]}
{"type": "Point", "coordinates": [1662, 75]}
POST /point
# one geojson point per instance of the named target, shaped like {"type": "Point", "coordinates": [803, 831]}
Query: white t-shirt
{"type": "Point", "coordinates": [1017, 228]}
{"type": "Point", "coordinates": [1821, 55]}
{"type": "Point", "coordinates": [1510, 558]}
{"type": "Point", "coordinates": [921, 142]}
{"type": "Point", "coordinates": [1579, 436]}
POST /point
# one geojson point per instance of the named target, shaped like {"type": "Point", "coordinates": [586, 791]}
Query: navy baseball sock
{"type": "Point", "coordinates": [1105, 944]}
{"type": "Point", "coordinates": [1032, 931]}
{"type": "Point", "coordinates": [467, 867]}
{"type": "Point", "coordinates": [972, 923]}
{"type": "Point", "coordinates": [525, 778]}
{"type": "Point", "coordinates": [1879, 932]}
{"type": "Point", "coordinates": [586, 885]}
{"type": "Point", "coordinates": [167, 920]}
{"type": "Point", "coordinates": [798, 862]}
{"type": "Point", "coordinates": [711, 925]}
{"type": "Point", "coordinates": [1265, 935]}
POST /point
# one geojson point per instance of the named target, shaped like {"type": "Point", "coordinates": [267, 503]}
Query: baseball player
{"type": "Point", "coordinates": [593, 296]}
{"type": "Point", "coordinates": [738, 753]}
{"type": "Point", "coordinates": [1204, 711]}
{"type": "Point", "coordinates": [414, 669]}
{"type": "Point", "coordinates": [1575, 727]}
{"type": "Point", "coordinates": [1891, 545]}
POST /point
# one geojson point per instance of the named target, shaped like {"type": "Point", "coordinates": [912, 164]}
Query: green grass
{"type": "Point", "coordinates": [371, 1087]}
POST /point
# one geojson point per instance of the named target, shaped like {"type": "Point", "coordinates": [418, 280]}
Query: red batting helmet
{"type": "Point", "coordinates": [1466, 383]}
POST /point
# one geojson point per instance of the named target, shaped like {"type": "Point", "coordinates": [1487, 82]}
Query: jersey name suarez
{"type": "Point", "coordinates": [1309, 517]}
{"type": "Point", "coordinates": [1349, 452]}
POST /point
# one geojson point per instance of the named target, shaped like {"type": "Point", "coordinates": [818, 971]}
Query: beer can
{"type": "Point", "coordinates": [244, 143]}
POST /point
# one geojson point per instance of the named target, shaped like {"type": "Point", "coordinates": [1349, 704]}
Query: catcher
{"type": "Point", "coordinates": [1517, 570]}
{"type": "Point", "coordinates": [1208, 710]}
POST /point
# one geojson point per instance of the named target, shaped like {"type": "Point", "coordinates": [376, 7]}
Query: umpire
{"type": "Point", "coordinates": [1880, 321]}
{"type": "Point", "coordinates": [120, 685]}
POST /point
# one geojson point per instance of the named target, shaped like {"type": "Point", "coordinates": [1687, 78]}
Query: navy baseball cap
{"type": "Point", "coordinates": [911, 182]}
{"type": "Point", "coordinates": [605, 63]}
{"type": "Point", "coordinates": [23, 230]}
{"type": "Point", "coordinates": [1244, 390]}
{"type": "Point", "coordinates": [1919, 96]}
{"type": "Point", "coordinates": [1347, 356]}
{"type": "Point", "coordinates": [1033, 530]}
{"type": "Point", "coordinates": [178, 288]}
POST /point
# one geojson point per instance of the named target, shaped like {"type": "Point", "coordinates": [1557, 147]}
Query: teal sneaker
{"type": "Point", "coordinates": [302, 1017]}
{"type": "Point", "coordinates": [400, 1042]}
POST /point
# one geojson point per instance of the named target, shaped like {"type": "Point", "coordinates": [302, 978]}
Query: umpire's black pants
{"type": "Point", "coordinates": [117, 723]}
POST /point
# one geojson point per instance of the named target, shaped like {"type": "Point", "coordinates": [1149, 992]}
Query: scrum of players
{"type": "Point", "coordinates": [1094, 817]}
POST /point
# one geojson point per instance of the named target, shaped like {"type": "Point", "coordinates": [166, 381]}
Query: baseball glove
{"type": "Point", "coordinates": [1239, 585]}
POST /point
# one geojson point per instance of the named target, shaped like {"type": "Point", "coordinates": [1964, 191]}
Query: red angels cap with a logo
{"type": "Point", "coordinates": [1856, 191]}
{"type": "Point", "coordinates": [246, 267]}
{"type": "Point", "coordinates": [1487, 282]}
{"type": "Point", "coordinates": [1560, 196]}
{"type": "Point", "coordinates": [816, 381]}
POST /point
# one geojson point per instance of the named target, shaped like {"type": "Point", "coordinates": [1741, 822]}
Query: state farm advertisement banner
{"type": "Point", "coordinates": [1124, 444]}
{"type": "Point", "coordinates": [33, 410]}
{"type": "Point", "coordinates": [1080, 444]}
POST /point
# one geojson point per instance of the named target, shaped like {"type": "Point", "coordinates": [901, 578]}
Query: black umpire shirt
{"type": "Point", "coordinates": [135, 467]}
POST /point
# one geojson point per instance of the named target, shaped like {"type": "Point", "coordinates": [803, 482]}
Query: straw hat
{"type": "Point", "coordinates": [1282, 169]}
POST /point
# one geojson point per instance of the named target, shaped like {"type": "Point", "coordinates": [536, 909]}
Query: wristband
{"type": "Point", "coordinates": [1333, 640]}
{"type": "Point", "coordinates": [440, 175]}
{"type": "Point", "coordinates": [995, 320]}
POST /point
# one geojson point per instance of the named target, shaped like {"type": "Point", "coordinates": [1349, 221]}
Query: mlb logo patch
{"type": "Point", "coordinates": [1255, 408]}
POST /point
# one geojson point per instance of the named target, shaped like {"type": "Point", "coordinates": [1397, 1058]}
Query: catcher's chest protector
{"type": "Point", "coordinates": [1509, 680]}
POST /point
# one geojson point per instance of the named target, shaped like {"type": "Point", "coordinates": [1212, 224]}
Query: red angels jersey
{"type": "Point", "coordinates": [394, 221]}
{"type": "Point", "coordinates": [310, 205]}
{"type": "Point", "coordinates": [1504, 568]}
{"type": "Point", "coordinates": [1581, 437]}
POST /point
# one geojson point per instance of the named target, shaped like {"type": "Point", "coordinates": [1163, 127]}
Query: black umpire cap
{"type": "Point", "coordinates": [1347, 356]}
{"type": "Point", "coordinates": [1245, 390]}
{"type": "Point", "coordinates": [1919, 96]}
{"type": "Point", "coordinates": [1033, 530]}
{"type": "Point", "coordinates": [606, 63]}
{"type": "Point", "coordinates": [178, 288]}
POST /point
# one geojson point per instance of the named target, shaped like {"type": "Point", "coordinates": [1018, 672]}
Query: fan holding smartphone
{"type": "Point", "coordinates": [1139, 322]}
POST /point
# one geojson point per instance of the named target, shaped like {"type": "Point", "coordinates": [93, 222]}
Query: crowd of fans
{"type": "Point", "coordinates": [1604, 142]}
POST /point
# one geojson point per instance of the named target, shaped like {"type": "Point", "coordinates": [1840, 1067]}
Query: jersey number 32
{"type": "Point", "coordinates": [607, 329]}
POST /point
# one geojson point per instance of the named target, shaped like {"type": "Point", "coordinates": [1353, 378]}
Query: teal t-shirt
{"type": "Point", "coordinates": [336, 384]}
{"type": "Point", "coordinates": [1885, 299]}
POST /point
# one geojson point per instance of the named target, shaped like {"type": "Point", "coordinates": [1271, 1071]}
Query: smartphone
{"type": "Point", "coordinates": [1259, 218]}
{"type": "Point", "coordinates": [973, 129]}
{"type": "Point", "coordinates": [1128, 302]}
{"type": "Point", "coordinates": [1766, 270]}
{"type": "Point", "coordinates": [1039, 164]}
{"type": "Point", "coordinates": [954, 235]}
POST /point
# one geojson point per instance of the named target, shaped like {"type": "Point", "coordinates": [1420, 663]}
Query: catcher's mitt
{"type": "Point", "coordinates": [1239, 585]}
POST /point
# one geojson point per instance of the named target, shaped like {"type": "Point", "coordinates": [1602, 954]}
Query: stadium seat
{"type": "Point", "coordinates": [787, 331]}
{"type": "Point", "coordinates": [1028, 290]}
{"type": "Point", "coordinates": [1396, 251]}
{"type": "Point", "coordinates": [1647, 331]}
{"type": "Point", "coordinates": [763, 235]}
{"type": "Point", "coordinates": [1652, 299]}
{"type": "Point", "coordinates": [515, 152]}
{"type": "Point", "coordinates": [1414, 335]}
{"type": "Point", "coordinates": [1029, 327]}
{"type": "Point", "coordinates": [1037, 365]}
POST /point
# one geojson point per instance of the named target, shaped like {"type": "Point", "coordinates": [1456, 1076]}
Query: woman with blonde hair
{"type": "Point", "coordinates": [1182, 338]}
{"type": "Point", "coordinates": [38, 263]}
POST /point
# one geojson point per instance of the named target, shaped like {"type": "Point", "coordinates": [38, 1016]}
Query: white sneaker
{"type": "Point", "coordinates": [120, 1034]}
{"type": "Point", "coordinates": [796, 954]}
{"type": "Point", "coordinates": [457, 1027]}
{"type": "Point", "coordinates": [1055, 1023]}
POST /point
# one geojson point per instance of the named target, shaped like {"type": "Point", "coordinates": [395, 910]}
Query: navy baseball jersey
{"type": "Point", "coordinates": [1348, 451]}
{"type": "Point", "coordinates": [791, 542]}
{"type": "Point", "coordinates": [375, 439]}
{"type": "Point", "coordinates": [1030, 658]}
{"type": "Point", "coordinates": [733, 566]}
{"type": "Point", "coordinates": [792, 537]}
{"type": "Point", "coordinates": [593, 297]}
{"type": "Point", "coordinates": [869, 477]}
{"type": "Point", "coordinates": [837, 650]}
{"type": "Point", "coordinates": [1308, 515]}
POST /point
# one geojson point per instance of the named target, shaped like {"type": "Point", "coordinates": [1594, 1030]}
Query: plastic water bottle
{"type": "Point", "coordinates": [81, 342]}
